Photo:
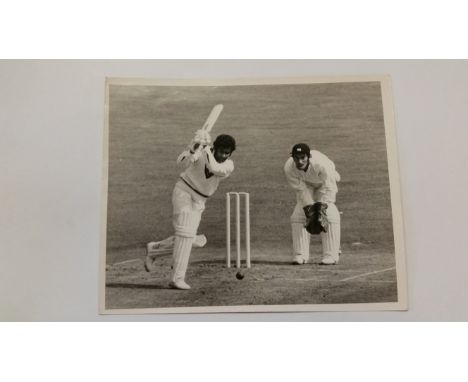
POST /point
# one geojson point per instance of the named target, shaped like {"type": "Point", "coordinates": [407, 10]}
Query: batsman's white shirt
{"type": "Point", "coordinates": [204, 173]}
{"type": "Point", "coordinates": [317, 183]}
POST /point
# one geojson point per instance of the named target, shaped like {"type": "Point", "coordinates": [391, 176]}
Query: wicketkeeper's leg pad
{"type": "Point", "coordinates": [331, 238]}
{"type": "Point", "coordinates": [300, 237]}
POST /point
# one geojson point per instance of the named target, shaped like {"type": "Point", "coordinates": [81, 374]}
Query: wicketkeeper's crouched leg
{"type": "Point", "coordinates": [300, 237]}
{"type": "Point", "coordinates": [331, 238]}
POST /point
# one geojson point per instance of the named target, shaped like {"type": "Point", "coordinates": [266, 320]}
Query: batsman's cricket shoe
{"type": "Point", "coordinates": [328, 260]}
{"type": "Point", "coordinates": [179, 285]}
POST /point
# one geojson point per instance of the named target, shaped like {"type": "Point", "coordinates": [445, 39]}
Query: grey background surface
{"type": "Point", "coordinates": [51, 125]}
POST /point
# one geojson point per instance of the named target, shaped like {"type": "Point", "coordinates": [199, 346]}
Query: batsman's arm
{"type": "Point", "coordinates": [193, 150]}
{"type": "Point", "coordinates": [183, 156]}
{"type": "Point", "coordinates": [202, 137]}
{"type": "Point", "coordinates": [218, 169]}
{"type": "Point", "coordinates": [188, 156]}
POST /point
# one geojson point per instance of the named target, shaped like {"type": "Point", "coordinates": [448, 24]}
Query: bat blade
{"type": "Point", "coordinates": [211, 120]}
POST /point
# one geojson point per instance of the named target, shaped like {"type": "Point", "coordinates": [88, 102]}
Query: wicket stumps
{"type": "Point", "coordinates": [238, 196]}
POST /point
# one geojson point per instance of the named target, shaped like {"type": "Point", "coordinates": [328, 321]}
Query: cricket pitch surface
{"type": "Point", "coordinates": [362, 276]}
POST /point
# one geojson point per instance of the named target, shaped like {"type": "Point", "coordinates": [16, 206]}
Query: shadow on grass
{"type": "Point", "coordinates": [136, 286]}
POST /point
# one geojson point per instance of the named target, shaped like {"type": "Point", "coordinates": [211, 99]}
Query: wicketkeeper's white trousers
{"type": "Point", "coordinates": [330, 239]}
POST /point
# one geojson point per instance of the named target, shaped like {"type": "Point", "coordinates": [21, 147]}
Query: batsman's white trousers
{"type": "Point", "coordinates": [330, 239]}
{"type": "Point", "coordinates": [188, 207]}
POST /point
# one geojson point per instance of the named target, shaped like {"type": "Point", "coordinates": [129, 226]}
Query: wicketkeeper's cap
{"type": "Point", "coordinates": [300, 148]}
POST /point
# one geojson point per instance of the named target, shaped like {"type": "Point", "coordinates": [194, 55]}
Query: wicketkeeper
{"type": "Point", "coordinates": [205, 167]}
{"type": "Point", "coordinates": [314, 178]}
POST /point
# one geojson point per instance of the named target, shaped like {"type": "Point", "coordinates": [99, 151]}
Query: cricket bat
{"type": "Point", "coordinates": [208, 126]}
{"type": "Point", "coordinates": [212, 118]}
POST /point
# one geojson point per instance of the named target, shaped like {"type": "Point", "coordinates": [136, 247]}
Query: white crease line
{"type": "Point", "coordinates": [125, 262]}
{"type": "Point", "coordinates": [331, 269]}
{"type": "Point", "coordinates": [368, 274]}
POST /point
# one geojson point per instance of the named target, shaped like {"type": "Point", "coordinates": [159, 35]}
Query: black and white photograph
{"type": "Point", "coordinates": [281, 185]}
{"type": "Point", "coordinates": [251, 196]}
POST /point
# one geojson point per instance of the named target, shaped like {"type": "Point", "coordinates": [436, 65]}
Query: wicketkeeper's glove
{"type": "Point", "coordinates": [316, 218]}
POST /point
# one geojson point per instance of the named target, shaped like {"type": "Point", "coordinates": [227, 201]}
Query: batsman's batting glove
{"type": "Point", "coordinates": [193, 146]}
{"type": "Point", "coordinates": [195, 156]}
{"type": "Point", "coordinates": [202, 137]}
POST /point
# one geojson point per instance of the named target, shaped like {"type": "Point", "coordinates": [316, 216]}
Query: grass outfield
{"type": "Point", "coordinates": [150, 126]}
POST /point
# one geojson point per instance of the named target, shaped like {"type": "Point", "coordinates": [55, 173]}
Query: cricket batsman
{"type": "Point", "coordinates": [205, 166]}
{"type": "Point", "coordinates": [314, 179]}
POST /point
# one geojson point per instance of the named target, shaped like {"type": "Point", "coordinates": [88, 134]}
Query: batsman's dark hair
{"type": "Point", "coordinates": [225, 140]}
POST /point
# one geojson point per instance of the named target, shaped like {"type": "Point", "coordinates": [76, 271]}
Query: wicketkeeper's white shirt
{"type": "Point", "coordinates": [203, 173]}
{"type": "Point", "coordinates": [317, 183]}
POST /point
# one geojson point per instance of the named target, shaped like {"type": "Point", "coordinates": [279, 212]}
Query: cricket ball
{"type": "Point", "coordinates": [239, 275]}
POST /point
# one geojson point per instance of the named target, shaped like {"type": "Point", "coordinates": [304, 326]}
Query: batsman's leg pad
{"type": "Point", "coordinates": [186, 219]}
{"type": "Point", "coordinates": [155, 248]}
{"type": "Point", "coordinates": [166, 246]}
{"type": "Point", "coordinates": [155, 252]}
{"type": "Point", "coordinates": [166, 243]}
{"type": "Point", "coordinates": [186, 223]}
{"type": "Point", "coordinates": [181, 255]}
{"type": "Point", "coordinates": [186, 213]}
